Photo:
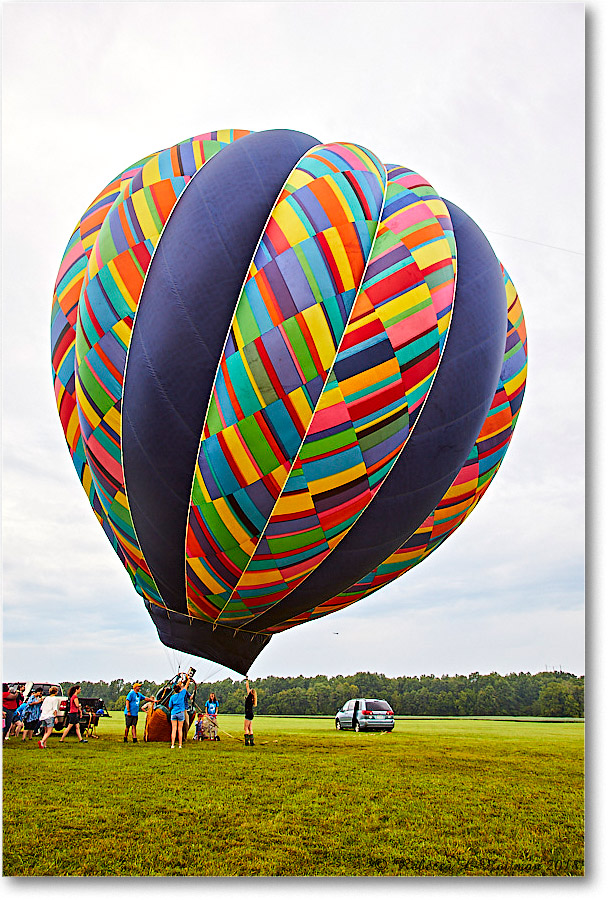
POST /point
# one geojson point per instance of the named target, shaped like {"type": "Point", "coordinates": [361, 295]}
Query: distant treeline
{"type": "Point", "coordinates": [521, 694]}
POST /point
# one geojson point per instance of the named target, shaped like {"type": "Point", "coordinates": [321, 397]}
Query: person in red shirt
{"type": "Point", "coordinates": [74, 715]}
{"type": "Point", "coordinates": [10, 702]}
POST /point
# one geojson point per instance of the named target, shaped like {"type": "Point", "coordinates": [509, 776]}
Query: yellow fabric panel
{"type": "Point", "coordinates": [238, 337]}
{"type": "Point", "coordinates": [443, 323]}
{"type": "Point", "coordinates": [198, 156]}
{"type": "Point", "coordinates": [432, 253]}
{"type": "Point", "coordinates": [94, 263]}
{"type": "Point", "coordinates": [463, 488]}
{"type": "Point", "coordinates": [298, 179]}
{"type": "Point", "coordinates": [144, 218]}
{"type": "Point", "coordinates": [113, 419]}
{"type": "Point", "coordinates": [294, 503]}
{"type": "Point", "coordinates": [330, 397]}
{"type": "Point", "coordinates": [302, 406]}
{"type": "Point", "coordinates": [516, 382]}
{"type": "Point", "coordinates": [290, 223]}
{"type": "Point", "coordinates": [89, 240]}
{"type": "Point", "coordinates": [205, 575]}
{"type": "Point", "coordinates": [73, 426]}
{"type": "Point", "coordinates": [258, 578]}
{"type": "Point", "coordinates": [248, 547]}
{"type": "Point", "coordinates": [403, 302]}
{"type": "Point", "coordinates": [362, 381]}
{"type": "Point", "coordinates": [318, 327]}
{"type": "Point", "coordinates": [245, 466]}
{"type": "Point", "coordinates": [201, 484]}
{"type": "Point", "coordinates": [229, 519]}
{"type": "Point", "coordinates": [150, 173]}
{"type": "Point", "coordinates": [123, 331]}
{"type": "Point", "coordinates": [336, 246]}
{"type": "Point", "coordinates": [340, 478]}
{"type": "Point", "coordinates": [510, 293]}
{"type": "Point", "coordinates": [437, 206]}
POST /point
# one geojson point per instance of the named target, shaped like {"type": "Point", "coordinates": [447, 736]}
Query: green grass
{"type": "Point", "coordinates": [435, 797]}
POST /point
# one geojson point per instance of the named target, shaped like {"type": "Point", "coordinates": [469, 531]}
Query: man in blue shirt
{"type": "Point", "coordinates": [134, 699]}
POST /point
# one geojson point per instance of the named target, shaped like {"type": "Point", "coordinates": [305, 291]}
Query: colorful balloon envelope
{"type": "Point", "coordinates": [286, 373]}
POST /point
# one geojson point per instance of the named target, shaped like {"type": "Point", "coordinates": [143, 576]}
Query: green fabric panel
{"type": "Point", "coordinates": [258, 373]}
{"type": "Point", "coordinates": [299, 345]}
{"type": "Point", "coordinates": [257, 444]}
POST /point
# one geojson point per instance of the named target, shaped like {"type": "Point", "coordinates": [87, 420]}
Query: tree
{"type": "Point", "coordinates": [557, 699]}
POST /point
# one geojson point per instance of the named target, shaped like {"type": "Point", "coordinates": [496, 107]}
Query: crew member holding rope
{"type": "Point", "coordinates": [251, 700]}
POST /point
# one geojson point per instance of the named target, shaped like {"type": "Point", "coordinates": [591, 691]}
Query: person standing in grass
{"type": "Point", "coordinates": [31, 715]}
{"type": "Point", "coordinates": [251, 700]}
{"type": "Point", "coordinates": [211, 708]}
{"type": "Point", "coordinates": [199, 727]}
{"type": "Point", "coordinates": [10, 702]}
{"type": "Point", "coordinates": [17, 726]}
{"type": "Point", "coordinates": [74, 713]}
{"type": "Point", "coordinates": [134, 699]}
{"type": "Point", "coordinates": [49, 712]}
{"type": "Point", "coordinates": [177, 709]}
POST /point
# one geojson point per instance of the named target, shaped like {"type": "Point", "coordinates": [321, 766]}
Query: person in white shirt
{"type": "Point", "coordinates": [49, 712]}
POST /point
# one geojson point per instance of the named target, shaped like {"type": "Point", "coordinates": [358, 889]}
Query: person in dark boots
{"type": "Point", "coordinates": [251, 700]}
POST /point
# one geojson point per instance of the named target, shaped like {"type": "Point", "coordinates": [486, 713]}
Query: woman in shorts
{"type": "Point", "coordinates": [49, 711]}
{"type": "Point", "coordinates": [177, 709]}
{"type": "Point", "coordinates": [74, 713]}
{"type": "Point", "coordinates": [251, 700]}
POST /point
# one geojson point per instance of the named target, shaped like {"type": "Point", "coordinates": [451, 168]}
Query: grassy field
{"type": "Point", "coordinates": [436, 797]}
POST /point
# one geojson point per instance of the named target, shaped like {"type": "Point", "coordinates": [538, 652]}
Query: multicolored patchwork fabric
{"type": "Point", "coordinates": [382, 355]}
{"type": "Point", "coordinates": [96, 295]}
{"type": "Point", "coordinates": [256, 339]}
{"type": "Point", "coordinates": [470, 484]}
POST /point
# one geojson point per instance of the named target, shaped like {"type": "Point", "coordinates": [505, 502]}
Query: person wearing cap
{"type": "Point", "coordinates": [134, 699]}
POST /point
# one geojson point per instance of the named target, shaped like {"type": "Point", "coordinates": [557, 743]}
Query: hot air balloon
{"type": "Point", "coordinates": [286, 373]}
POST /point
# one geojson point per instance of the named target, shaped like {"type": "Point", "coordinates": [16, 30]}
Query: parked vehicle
{"type": "Point", "coordinates": [91, 704]}
{"type": "Point", "coordinates": [365, 714]}
{"type": "Point", "coordinates": [31, 686]}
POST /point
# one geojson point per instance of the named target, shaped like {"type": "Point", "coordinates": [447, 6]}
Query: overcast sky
{"type": "Point", "coordinates": [486, 100]}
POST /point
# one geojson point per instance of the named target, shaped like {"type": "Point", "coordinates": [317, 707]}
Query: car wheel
{"type": "Point", "coordinates": [338, 726]}
{"type": "Point", "coordinates": [357, 727]}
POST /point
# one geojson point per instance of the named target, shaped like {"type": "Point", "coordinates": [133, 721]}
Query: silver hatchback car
{"type": "Point", "coordinates": [364, 714]}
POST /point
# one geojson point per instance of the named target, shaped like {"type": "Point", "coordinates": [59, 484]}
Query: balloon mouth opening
{"type": "Point", "coordinates": [236, 650]}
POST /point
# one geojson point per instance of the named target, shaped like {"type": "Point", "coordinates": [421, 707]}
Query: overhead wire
{"type": "Point", "coordinates": [538, 243]}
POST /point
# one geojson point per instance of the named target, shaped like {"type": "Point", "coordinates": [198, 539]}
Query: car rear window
{"type": "Point", "coordinates": [377, 705]}
{"type": "Point", "coordinates": [45, 688]}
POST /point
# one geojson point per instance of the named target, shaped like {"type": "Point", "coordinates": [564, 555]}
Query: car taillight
{"type": "Point", "coordinates": [62, 704]}
{"type": "Point", "coordinates": [366, 712]}
{"type": "Point", "coordinates": [389, 712]}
